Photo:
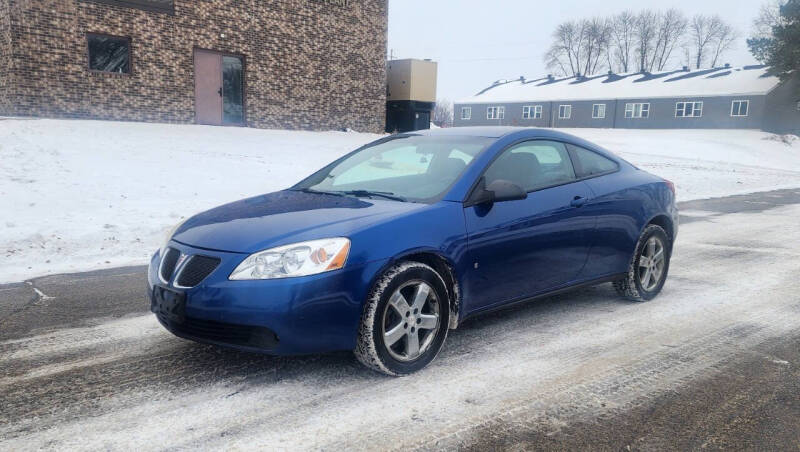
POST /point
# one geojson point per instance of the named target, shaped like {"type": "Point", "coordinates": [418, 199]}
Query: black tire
{"type": "Point", "coordinates": [371, 348]}
{"type": "Point", "coordinates": [631, 287]}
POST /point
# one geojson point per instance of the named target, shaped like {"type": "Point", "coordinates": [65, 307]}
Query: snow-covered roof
{"type": "Point", "coordinates": [729, 81]}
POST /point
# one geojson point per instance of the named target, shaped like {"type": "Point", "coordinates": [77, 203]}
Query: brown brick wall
{"type": "Point", "coordinates": [5, 56]}
{"type": "Point", "coordinates": [309, 64]}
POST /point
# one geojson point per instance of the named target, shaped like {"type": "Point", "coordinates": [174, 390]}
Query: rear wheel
{"type": "Point", "coordinates": [405, 320]}
{"type": "Point", "coordinates": [649, 266]}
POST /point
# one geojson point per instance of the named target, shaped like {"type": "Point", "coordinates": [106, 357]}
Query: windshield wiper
{"type": "Point", "coordinates": [320, 192]}
{"type": "Point", "coordinates": [372, 194]}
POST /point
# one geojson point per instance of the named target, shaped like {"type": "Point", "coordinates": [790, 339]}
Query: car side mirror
{"type": "Point", "coordinates": [498, 191]}
{"type": "Point", "coordinates": [505, 190]}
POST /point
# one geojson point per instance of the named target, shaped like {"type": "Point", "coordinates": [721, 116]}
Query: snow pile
{"type": "Point", "coordinates": [82, 195]}
{"type": "Point", "coordinates": [79, 195]}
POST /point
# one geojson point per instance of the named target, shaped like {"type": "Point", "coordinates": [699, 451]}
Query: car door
{"type": "Point", "coordinates": [614, 205]}
{"type": "Point", "coordinates": [525, 247]}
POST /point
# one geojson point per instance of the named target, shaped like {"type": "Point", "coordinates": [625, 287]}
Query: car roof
{"type": "Point", "coordinates": [495, 132]}
{"type": "Point", "coordinates": [514, 133]}
{"type": "Point", "coordinates": [485, 132]}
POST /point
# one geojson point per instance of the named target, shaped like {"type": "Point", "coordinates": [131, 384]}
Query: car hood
{"type": "Point", "coordinates": [284, 217]}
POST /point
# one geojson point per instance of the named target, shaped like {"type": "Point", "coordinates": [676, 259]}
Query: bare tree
{"type": "Point", "coordinates": [565, 54]}
{"type": "Point", "coordinates": [769, 16]}
{"type": "Point", "coordinates": [579, 47]}
{"type": "Point", "coordinates": [671, 29]}
{"type": "Point", "coordinates": [645, 33]}
{"type": "Point", "coordinates": [645, 41]}
{"type": "Point", "coordinates": [710, 37]}
{"type": "Point", "coordinates": [443, 113]}
{"type": "Point", "coordinates": [723, 41]}
{"type": "Point", "coordinates": [703, 30]}
{"type": "Point", "coordinates": [622, 45]}
{"type": "Point", "coordinates": [595, 43]}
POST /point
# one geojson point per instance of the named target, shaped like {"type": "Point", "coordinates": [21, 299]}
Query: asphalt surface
{"type": "Point", "coordinates": [712, 363]}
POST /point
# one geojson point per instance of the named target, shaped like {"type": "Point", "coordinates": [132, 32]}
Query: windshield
{"type": "Point", "coordinates": [407, 168]}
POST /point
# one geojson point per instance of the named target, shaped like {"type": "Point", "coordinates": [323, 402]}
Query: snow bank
{"type": "Point", "coordinates": [82, 195]}
{"type": "Point", "coordinates": [79, 195]}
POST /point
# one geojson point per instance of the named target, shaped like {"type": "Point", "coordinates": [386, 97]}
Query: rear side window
{"type": "Point", "coordinates": [588, 163]}
{"type": "Point", "coordinates": [533, 165]}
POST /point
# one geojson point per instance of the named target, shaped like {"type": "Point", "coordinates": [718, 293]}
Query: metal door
{"type": "Point", "coordinates": [208, 87]}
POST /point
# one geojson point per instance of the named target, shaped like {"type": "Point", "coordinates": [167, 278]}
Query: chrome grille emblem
{"type": "Point", "coordinates": [180, 262]}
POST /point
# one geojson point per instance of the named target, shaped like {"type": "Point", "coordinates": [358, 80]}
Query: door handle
{"type": "Point", "coordinates": [219, 92]}
{"type": "Point", "coordinates": [578, 201]}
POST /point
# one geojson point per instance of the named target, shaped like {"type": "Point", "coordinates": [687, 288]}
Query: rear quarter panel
{"type": "Point", "coordinates": [624, 203]}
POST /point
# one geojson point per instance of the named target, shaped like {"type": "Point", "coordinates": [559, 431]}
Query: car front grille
{"type": "Point", "coordinates": [223, 333]}
{"type": "Point", "coordinates": [168, 263]}
{"type": "Point", "coordinates": [196, 270]}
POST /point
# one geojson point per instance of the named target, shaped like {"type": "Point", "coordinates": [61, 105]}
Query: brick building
{"type": "Point", "coordinates": [295, 64]}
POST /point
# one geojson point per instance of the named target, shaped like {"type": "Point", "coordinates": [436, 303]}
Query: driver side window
{"type": "Point", "coordinates": [533, 165]}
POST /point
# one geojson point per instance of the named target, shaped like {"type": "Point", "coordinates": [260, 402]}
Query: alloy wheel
{"type": "Point", "coordinates": [410, 321]}
{"type": "Point", "coordinates": [651, 264]}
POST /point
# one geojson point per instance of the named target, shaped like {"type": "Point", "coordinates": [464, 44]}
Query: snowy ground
{"type": "Point", "coordinates": [81, 195]}
{"type": "Point", "coordinates": [96, 381]}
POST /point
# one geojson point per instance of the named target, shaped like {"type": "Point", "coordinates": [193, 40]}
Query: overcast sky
{"type": "Point", "coordinates": [479, 41]}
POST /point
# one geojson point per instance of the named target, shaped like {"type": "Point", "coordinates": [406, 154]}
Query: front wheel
{"type": "Point", "coordinates": [649, 266]}
{"type": "Point", "coordinates": [405, 320]}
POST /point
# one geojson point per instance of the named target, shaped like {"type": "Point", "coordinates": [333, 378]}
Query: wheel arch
{"type": "Point", "coordinates": [666, 223]}
{"type": "Point", "coordinates": [443, 266]}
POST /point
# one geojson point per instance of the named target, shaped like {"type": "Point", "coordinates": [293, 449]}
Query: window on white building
{"type": "Point", "coordinates": [637, 110]}
{"type": "Point", "coordinates": [688, 109]}
{"type": "Point", "coordinates": [564, 111]}
{"type": "Point", "coordinates": [740, 108]}
{"type": "Point", "coordinates": [598, 111]}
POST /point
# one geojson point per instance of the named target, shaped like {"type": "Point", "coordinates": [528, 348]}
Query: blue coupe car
{"type": "Point", "coordinates": [389, 247]}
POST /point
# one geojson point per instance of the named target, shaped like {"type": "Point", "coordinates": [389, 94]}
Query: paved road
{"type": "Point", "coordinates": [713, 362]}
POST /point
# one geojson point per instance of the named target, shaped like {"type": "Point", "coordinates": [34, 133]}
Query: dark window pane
{"type": "Point", "coordinates": [588, 163]}
{"type": "Point", "coordinates": [150, 5]}
{"type": "Point", "coordinates": [109, 54]}
{"type": "Point", "coordinates": [232, 90]}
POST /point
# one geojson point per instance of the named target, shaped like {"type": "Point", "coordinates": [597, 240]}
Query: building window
{"type": "Point", "coordinates": [466, 113]}
{"type": "Point", "coordinates": [496, 113]}
{"type": "Point", "coordinates": [598, 111]}
{"type": "Point", "coordinates": [166, 6]}
{"type": "Point", "coordinates": [798, 105]}
{"type": "Point", "coordinates": [109, 54]}
{"type": "Point", "coordinates": [564, 111]}
{"type": "Point", "coordinates": [637, 111]}
{"type": "Point", "coordinates": [688, 109]}
{"type": "Point", "coordinates": [532, 112]}
{"type": "Point", "coordinates": [740, 108]}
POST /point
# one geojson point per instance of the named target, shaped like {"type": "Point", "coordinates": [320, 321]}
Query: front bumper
{"type": "Point", "coordinates": [309, 314]}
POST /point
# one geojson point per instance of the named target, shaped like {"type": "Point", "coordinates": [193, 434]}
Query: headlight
{"type": "Point", "coordinates": [297, 259]}
{"type": "Point", "coordinates": [168, 237]}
